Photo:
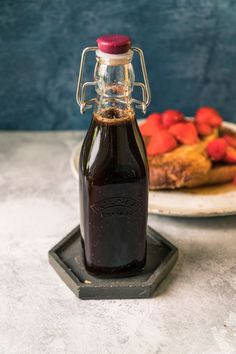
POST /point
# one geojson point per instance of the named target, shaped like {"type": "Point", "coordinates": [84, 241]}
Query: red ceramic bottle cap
{"type": "Point", "coordinates": [114, 43]}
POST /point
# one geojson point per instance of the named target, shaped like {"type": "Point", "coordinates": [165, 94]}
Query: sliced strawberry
{"type": "Point", "coordinates": [203, 129]}
{"type": "Point", "coordinates": [208, 115]}
{"type": "Point", "coordinates": [151, 124]}
{"type": "Point", "coordinates": [147, 129]}
{"type": "Point", "coordinates": [171, 116]}
{"type": "Point", "coordinates": [216, 149]}
{"type": "Point", "coordinates": [186, 133]}
{"type": "Point", "coordinates": [162, 141]}
{"type": "Point", "coordinates": [216, 121]}
{"type": "Point", "coordinates": [155, 119]}
{"type": "Point", "coordinates": [230, 156]}
{"type": "Point", "coordinates": [231, 140]}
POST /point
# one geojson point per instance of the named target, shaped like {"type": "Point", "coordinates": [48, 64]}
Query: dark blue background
{"type": "Point", "coordinates": [189, 47]}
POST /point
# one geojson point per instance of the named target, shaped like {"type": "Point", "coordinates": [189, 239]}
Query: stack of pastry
{"type": "Point", "coordinates": [189, 153]}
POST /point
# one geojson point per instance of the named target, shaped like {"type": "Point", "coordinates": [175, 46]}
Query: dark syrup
{"type": "Point", "coordinates": [114, 195]}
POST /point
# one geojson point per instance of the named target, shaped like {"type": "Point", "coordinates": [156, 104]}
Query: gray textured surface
{"type": "Point", "coordinates": [189, 46]}
{"type": "Point", "coordinates": [195, 308]}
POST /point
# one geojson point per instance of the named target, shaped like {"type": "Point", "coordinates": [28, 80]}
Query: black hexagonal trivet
{"type": "Point", "coordinates": [68, 261]}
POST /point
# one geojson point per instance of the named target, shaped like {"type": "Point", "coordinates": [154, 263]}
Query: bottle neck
{"type": "Point", "coordinates": [114, 83]}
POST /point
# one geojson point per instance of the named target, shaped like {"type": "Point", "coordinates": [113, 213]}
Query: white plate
{"type": "Point", "coordinates": [204, 201]}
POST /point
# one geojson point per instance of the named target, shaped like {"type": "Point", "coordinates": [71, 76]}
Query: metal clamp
{"type": "Point", "coordinates": [81, 87]}
{"type": "Point", "coordinates": [144, 86]}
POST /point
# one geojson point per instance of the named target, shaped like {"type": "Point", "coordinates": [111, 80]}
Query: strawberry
{"type": "Point", "coordinates": [216, 121]}
{"type": "Point", "coordinates": [186, 133]}
{"type": "Point", "coordinates": [231, 140]}
{"type": "Point", "coordinates": [147, 129]}
{"type": "Point", "coordinates": [171, 116]}
{"type": "Point", "coordinates": [162, 141]}
{"type": "Point", "coordinates": [151, 124]}
{"type": "Point", "coordinates": [216, 149]}
{"type": "Point", "coordinates": [155, 119]}
{"type": "Point", "coordinates": [203, 128]}
{"type": "Point", "coordinates": [230, 156]}
{"type": "Point", "coordinates": [208, 115]}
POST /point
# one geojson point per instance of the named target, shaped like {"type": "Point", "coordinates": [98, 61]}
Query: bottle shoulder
{"type": "Point", "coordinates": [113, 152]}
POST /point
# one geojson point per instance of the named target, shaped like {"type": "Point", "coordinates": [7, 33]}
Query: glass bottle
{"type": "Point", "coordinates": [113, 169]}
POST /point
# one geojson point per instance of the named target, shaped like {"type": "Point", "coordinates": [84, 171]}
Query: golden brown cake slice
{"type": "Point", "coordinates": [188, 166]}
{"type": "Point", "coordinates": [216, 175]}
{"type": "Point", "coordinates": [177, 168]}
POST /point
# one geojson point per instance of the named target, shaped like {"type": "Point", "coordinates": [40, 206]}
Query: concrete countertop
{"type": "Point", "coordinates": [194, 310]}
